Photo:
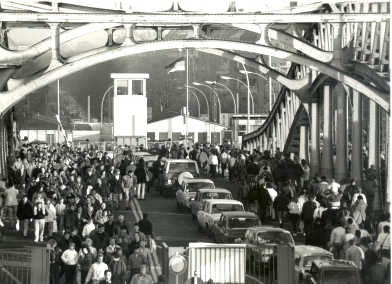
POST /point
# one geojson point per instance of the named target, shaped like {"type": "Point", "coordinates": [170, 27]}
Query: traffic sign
{"type": "Point", "coordinates": [190, 137]}
{"type": "Point", "coordinates": [178, 265]}
{"type": "Point", "coordinates": [181, 137]}
{"type": "Point", "coordinates": [118, 151]}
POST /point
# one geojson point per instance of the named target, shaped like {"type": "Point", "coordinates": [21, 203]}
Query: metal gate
{"type": "Point", "coordinates": [24, 266]}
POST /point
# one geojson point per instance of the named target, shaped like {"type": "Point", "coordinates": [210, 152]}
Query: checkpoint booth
{"type": "Point", "coordinates": [130, 108]}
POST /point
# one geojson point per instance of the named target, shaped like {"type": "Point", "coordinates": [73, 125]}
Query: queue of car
{"type": "Point", "coordinates": [225, 221]}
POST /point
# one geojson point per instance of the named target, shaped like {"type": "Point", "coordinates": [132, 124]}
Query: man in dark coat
{"type": "Point", "coordinates": [264, 201]}
{"type": "Point", "coordinates": [100, 238]}
{"type": "Point", "coordinates": [280, 206]}
{"type": "Point", "coordinates": [307, 215]}
{"type": "Point", "coordinates": [24, 213]}
{"type": "Point", "coordinates": [145, 226]}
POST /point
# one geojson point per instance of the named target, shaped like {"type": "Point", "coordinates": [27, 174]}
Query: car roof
{"type": "Point", "coordinates": [267, 229]}
{"type": "Point", "coordinates": [337, 263]}
{"type": "Point", "coordinates": [223, 201]}
{"type": "Point", "coordinates": [239, 214]}
{"type": "Point", "coordinates": [194, 180]}
{"type": "Point", "coordinates": [302, 249]}
{"type": "Point", "coordinates": [142, 154]}
{"type": "Point", "coordinates": [182, 160]}
{"type": "Point", "coordinates": [216, 189]}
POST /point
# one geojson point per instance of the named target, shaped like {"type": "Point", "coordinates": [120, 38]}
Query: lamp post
{"type": "Point", "coordinates": [208, 107]}
{"type": "Point", "coordinates": [269, 91]}
{"type": "Point", "coordinates": [220, 107]}
{"type": "Point", "coordinates": [249, 93]}
{"type": "Point", "coordinates": [102, 105]}
{"type": "Point", "coordinates": [192, 92]}
{"type": "Point", "coordinates": [232, 95]}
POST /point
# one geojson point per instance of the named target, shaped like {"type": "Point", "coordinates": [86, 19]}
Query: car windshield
{"type": "Point", "coordinates": [216, 195]}
{"type": "Point", "coordinates": [336, 276]}
{"type": "Point", "coordinates": [242, 223]}
{"type": "Point", "coordinates": [274, 238]}
{"type": "Point", "coordinates": [194, 186]}
{"type": "Point", "coordinates": [182, 167]}
{"type": "Point", "coordinates": [217, 208]}
{"type": "Point", "coordinates": [309, 259]}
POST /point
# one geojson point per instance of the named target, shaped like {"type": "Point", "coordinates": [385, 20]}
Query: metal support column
{"type": "Point", "coordinates": [265, 141]}
{"type": "Point", "coordinates": [374, 147]}
{"type": "Point", "coordinates": [357, 139]}
{"type": "Point", "coordinates": [327, 161]}
{"type": "Point", "coordinates": [278, 131]}
{"type": "Point", "coordinates": [304, 143]}
{"type": "Point", "coordinates": [273, 137]}
{"type": "Point", "coordinates": [315, 138]}
{"type": "Point", "coordinates": [341, 167]}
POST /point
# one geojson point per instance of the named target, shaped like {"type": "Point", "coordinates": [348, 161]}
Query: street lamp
{"type": "Point", "coordinates": [220, 109]}
{"type": "Point", "coordinates": [208, 107]}
{"type": "Point", "coordinates": [102, 104]}
{"type": "Point", "coordinates": [198, 102]}
{"type": "Point", "coordinates": [249, 93]}
{"type": "Point", "coordinates": [211, 83]}
{"type": "Point", "coordinates": [269, 79]}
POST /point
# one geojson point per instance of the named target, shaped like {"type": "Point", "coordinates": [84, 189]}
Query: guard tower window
{"type": "Point", "coordinates": [122, 87]}
{"type": "Point", "coordinates": [137, 87]}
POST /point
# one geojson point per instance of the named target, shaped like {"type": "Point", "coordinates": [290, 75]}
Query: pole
{"type": "Point", "coordinates": [208, 107]}
{"type": "Point", "coordinates": [238, 103]}
{"type": "Point", "coordinates": [187, 99]}
{"type": "Point", "coordinates": [88, 109]}
{"type": "Point", "coordinates": [103, 98]}
{"type": "Point", "coordinates": [58, 109]}
{"type": "Point", "coordinates": [270, 85]}
{"type": "Point", "coordinates": [248, 113]}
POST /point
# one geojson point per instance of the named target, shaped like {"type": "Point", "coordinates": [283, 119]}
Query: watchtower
{"type": "Point", "coordinates": [130, 108]}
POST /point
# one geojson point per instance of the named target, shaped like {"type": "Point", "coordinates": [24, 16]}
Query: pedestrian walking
{"type": "Point", "coordinates": [117, 188]}
{"type": "Point", "coordinates": [141, 178]}
{"type": "Point", "coordinates": [129, 185]}
{"type": "Point", "coordinates": [24, 213]}
{"type": "Point", "coordinates": [145, 226]}
{"type": "Point", "coordinates": [11, 202]}
{"type": "Point", "coordinates": [142, 277]}
{"type": "Point", "coordinates": [39, 214]}
{"type": "Point", "coordinates": [96, 272]}
{"type": "Point", "coordinates": [50, 218]}
{"type": "Point", "coordinates": [294, 210]}
{"type": "Point", "coordinates": [86, 260]}
{"type": "Point", "coordinates": [70, 258]}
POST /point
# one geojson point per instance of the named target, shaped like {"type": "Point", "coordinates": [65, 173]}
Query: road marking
{"type": "Point", "coordinates": [155, 267]}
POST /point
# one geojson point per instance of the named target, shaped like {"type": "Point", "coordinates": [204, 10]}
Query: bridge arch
{"type": "Point", "coordinates": [80, 62]}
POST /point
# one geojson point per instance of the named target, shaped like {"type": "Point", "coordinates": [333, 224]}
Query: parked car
{"type": "Point", "coordinates": [173, 170]}
{"type": "Point", "coordinates": [232, 226]}
{"type": "Point", "coordinates": [304, 257]}
{"type": "Point", "coordinates": [188, 190]}
{"type": "Point", "coordinates": [212, 210]}
{"type": "Point", "coordinates": [333, 271]}
{"type": "Point", "coordinates": [207, 193]}
{"type": "Point", "coordinates": [261, 242]}
{"type": "Point", "coordinates": [137, 155]}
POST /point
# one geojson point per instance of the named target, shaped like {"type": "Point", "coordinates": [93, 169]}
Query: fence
{"type": "Point", "coordinates": [24, 266]}
{"type": "Point", "coordinates": [229, 263]}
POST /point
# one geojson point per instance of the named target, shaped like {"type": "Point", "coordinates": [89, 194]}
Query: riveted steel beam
{"type": "Point", "coordinates": [327, 161]}
{"type": "Point", "coordinates": [17, 57]}
{"type": "Point", "coordinates": [357, 138]}
{"type": "Point", "coordinates": [315, 165]}
{"type": "Point", "coordinates": [195, 18]}
{"type": "Point", "coordinates": [13, 96]}
{"type": "Point", "coordinates": [341, 167]}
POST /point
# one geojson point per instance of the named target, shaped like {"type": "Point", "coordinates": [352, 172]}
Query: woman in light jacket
{"type": "Point", "coordinates": [50, 218]}
{"type": "Point", "coordinates": [295, 211]}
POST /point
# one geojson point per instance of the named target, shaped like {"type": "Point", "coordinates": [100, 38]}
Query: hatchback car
{"type": "Point", "coordinates": [188, 189]}
{"type": "Point", "coordinates": [212, 210]}
{"type": "Point", "coordinates": [304, 257]}
{"type": "Point", "coordinates": [173, 169]}
{"type": "Point", "coordinates": [207, 193]}
{"type": "Point", "coordinates": [232, 226]}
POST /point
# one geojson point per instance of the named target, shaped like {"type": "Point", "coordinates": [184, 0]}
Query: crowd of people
{"type": "Point", "coordinates": [74, 192]}
{"type": "Point", "coordinates": [70, 195]}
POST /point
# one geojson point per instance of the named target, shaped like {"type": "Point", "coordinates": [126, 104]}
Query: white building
{"type": "Point", "coordinates": [170, 125]}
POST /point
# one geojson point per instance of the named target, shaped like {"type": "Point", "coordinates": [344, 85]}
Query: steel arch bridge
{"type": "Point", "coordinates": [338, 52]}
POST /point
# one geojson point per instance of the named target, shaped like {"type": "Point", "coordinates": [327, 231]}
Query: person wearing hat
{"type": "Point", "coordinates": [96, 272]}
{"type": "Point", "coordinates": [24, 213]}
